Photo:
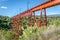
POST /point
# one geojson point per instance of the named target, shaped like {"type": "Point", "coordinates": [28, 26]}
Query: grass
{"type": "Point", "coordinates": [43, 33]}
{"type": "Point", "coordinates": [6, 35]}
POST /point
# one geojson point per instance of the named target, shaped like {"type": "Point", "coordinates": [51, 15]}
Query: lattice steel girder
{"type": "Point", "coordinates": [46, 5]}
{"type": "Point", "coordinates": [28, 12]}
{"type": "Point", "coordinates": [39, 7]}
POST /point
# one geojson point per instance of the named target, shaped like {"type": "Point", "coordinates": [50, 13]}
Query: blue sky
{"type": "Point", "coordinates": [14, 7]}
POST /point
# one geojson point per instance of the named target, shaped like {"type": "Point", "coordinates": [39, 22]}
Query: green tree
{"type": "Point", "coordinates": [4, 22]}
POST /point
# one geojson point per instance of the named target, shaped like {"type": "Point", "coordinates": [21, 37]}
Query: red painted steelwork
{"type": "Point", "coordinates": [45, 18]}
{"type": "Point", "coordinates": [29, 11]}
{"type": "Point", "coordinates": [41, 6]}
{"type": "Point", "coordinates": [40, 17]}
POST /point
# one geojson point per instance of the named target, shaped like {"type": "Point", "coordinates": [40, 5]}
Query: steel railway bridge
{"type": "Point", "coordinates": [30, 12]}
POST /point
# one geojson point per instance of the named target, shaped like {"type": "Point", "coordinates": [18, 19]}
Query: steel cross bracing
{"type": "Point", "coordinates": [15, 19]}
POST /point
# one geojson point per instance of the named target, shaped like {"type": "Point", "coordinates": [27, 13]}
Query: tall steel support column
{"type": "Point", "coordinates": [34, 19]}
{"type": "Point", "coordinates": [17, 28]}
{"type": "Point", "coordinates": [45, 18]}
{"type": "Point", "coordinates": [22, 22]}
{"type": "Point", "coordinates": [40, 17]}
{"type": "Point", "coordinates": [30, 16]}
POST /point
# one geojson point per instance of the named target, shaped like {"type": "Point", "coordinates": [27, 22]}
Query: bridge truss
{"type": "Point", "coordinates": [15, 20]}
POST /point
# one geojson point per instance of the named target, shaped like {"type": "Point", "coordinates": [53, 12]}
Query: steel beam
{"type": "Point", "coordinates": [40, 17]}
{"type": "Point", "coordinates": [41, 6]}
{"type": "Point", "coordinates": [45, 18]}
{"type": "Point", "coordinates": [38, 7]}
{"type": "Point", "coordinates": [45, 5]}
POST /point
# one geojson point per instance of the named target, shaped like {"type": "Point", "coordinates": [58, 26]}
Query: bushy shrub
{"type": "Point", "coordinates": [4, 22]}
{"type": "Point", "coordinates": [6, 35]}
{"type": "Point", "coordinates": [43, 33]}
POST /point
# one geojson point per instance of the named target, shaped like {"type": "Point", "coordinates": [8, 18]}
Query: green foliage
{"type": "Point", "coordinates": [6, 35]}
{"type": "Point", "coordinates": [51, 32]}
{"type": "Point", "coordinates": [53, 21]}
{"type": "Point", "coordinates": [43, 33]}
{"type": "Point", "coordinates": [28, 33]}
{"type": "Point", "coordinates": [4, 22]}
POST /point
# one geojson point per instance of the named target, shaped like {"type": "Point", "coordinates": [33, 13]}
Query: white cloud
{"type": "Point", "coordinates": [3, 7]}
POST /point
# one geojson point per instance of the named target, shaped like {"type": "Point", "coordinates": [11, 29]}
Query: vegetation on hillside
{"type": "Point", "coordinates": [4, 22]}
{"type": "Point", "coordinates": [43, 33]}
{"type": "Point", "coordinates": [51, 32]}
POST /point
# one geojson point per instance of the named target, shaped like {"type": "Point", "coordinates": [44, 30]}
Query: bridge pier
{"type": "Point", "coordinates": [40, 17]}
{"type": "Point", "coordinates": [30, 16]}
{"type": "Point", "coordinates": [35, 19]}
{"type": "Point", "coordinates": [14, 23]}
{"type": "Point", "coordinates": [45, 18]}
{"type": "Point", "coordinates": [44, 23]}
